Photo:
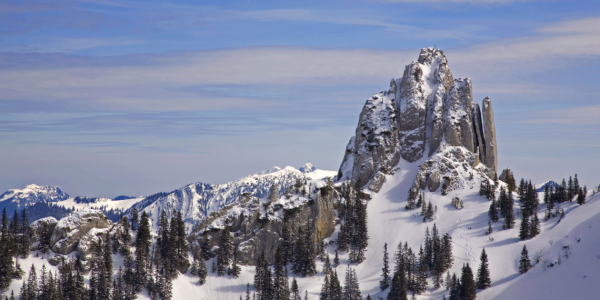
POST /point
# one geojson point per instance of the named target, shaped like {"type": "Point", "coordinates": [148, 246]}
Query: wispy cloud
{"type": "Point", "coordinates": [576, 116]}
{"type": "Point", "coordinates": [474, 2]}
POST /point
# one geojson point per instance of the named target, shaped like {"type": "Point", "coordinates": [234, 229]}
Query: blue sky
{"type": "Point", "coordinates": [135, 97]}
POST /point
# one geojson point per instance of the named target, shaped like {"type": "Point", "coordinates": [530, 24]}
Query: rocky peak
{"type": "Point", "coordinates": [422, 114]}
{"type": "Point", "coordinates": [307, 168]}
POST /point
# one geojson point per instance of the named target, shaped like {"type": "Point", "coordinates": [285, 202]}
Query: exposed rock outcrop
{"type": "Point", "coordinates": [489, 128]}
{"type": "Point", "coordinates": [451, 169]}
{"type": "Point", "coordinates": [69, 231]}
{"type": "Point", "coordinates": [256, 229]}
{"type": "Point", "coordinates": [375, 150]}
{"type": "Point", "coordinates": [433, 111]}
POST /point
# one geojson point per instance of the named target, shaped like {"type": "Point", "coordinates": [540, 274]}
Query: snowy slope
{"type": "Point", "coordinates": [196, 201]}
{"type": "Point", "coordinates": [390, 223]}
{"type": "Point", "coordinates": [101, 203]}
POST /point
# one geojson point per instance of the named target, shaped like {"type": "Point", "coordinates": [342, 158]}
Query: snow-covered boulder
{"type": "Point", "coordinates": [44, 224]}
{"type": "Point", "coordinates": [70, 230]}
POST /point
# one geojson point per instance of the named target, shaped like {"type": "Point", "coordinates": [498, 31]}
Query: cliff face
{"type": "Point", "coordinates": [432, 111]}
{"type": "Point", "coordinates": [257, 224]}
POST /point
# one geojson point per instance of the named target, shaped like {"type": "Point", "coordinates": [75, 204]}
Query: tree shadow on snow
{"type": "Point", "coordinates": [506, 279]}
{"type": "Point", "coordinates": [234, 288]}
{"type": "Point", "coordinates": [503, 242]}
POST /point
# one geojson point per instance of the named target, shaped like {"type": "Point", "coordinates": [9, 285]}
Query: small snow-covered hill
{"type": "Point", "coordinates": [197, 200]}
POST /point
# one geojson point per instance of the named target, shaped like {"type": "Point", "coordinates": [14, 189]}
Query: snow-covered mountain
{"type": "Point", "coordinates": [423, 138]}
{"type": "Point", "coordinates": [29, 195]}
{"type": "Point", "coordinates": [198, 200]}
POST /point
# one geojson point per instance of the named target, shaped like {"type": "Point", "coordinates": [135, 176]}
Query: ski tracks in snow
{"type": "Point", "coordinates": [466, 245]}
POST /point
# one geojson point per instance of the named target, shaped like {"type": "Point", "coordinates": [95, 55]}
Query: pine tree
{"type": "Point", "coordinates": [336, 260]}
{"type": "Point", "coordinates": [235, 267]}
{"type": "Point", "coordinates": [325, 289]}
{"type": "Point", "coordinates": [32, 284]}
{"type": "Point", "coordinates": [142, 251]}
{"type": "Point", "coordinates": [384, 283]}
{"type": "Point", "coordinates": [280, 281]}
{"type": "Point", "coordinates": [448, 281]}
{"type": "Point", "coordinates": [26, 235]}
{"type": "Point", "coordinates": [351, 289]}
{"type": "Point", "coordinates": [421, 281]}
{"type": "Point", "coordinates": [524, 230]}
{"type": "Point", "coordinates": [483, 273]}
{"type": "Point", "coordinates": [327, 265]}
{"type": "Point", "coordinates": [224, 252]}
{"type": "Point", "coordinates": [493, 211]}
{"type": "Point", "coordinates": [398, 287]}
{"type": "Point", "coordinates": [295, 293]}
{"type": "Point", "coordinates": [490, 229]}
{"type": "Point", "coordinates": [248, 292]}
{"type": "Point", "coordinates": [524, 263]}
{"type": "Point", "coordinates": [535, 226]}
{"type": "Point", "coordinates": [134, 218]}
{"type": "Point", "coordinates": [287, 245]}
{"type": "Point", "coordinates": [455, 289]}
{"type": "Point", "coordinates": [468, 289]}
{"type": "Point", "coordinates": [202, 270]}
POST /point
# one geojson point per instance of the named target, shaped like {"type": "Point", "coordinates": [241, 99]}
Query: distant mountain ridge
{"type": "Point", "coordinates": [29, 195]}
{"type": "Point", "coordinates": [197, 200]}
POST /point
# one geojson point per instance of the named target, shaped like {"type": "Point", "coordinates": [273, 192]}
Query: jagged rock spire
{"type": "Point", "coordinates": [489, 129]}
{"type": "Point", "coordinates": [432, 111]}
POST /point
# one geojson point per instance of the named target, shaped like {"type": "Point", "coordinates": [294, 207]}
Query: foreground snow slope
{"type": "Point", "coordinates": [390, 223]}
{"type": "Point", "coordinates": [575, 278]}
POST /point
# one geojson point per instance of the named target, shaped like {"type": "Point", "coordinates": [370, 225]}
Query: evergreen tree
{"type": "Point", "coordinates": [202, 270]}
{"type": "Point", "coordinates": [134, 218]}
{"type": "Point", "coordinates": [295, 293]}
{"type": "Point", "coordinates": [384, 283]}
{"type": "Point", "coordinates": [483, 273]}
{"type": "Point", "coordinates": [524, 230]}
{"type": "Point", "coordinates": [142, 251]}
{"type": "Point", "coordinates": [325, 289]}
{"type": "Point", "coordinates": [7, 251]}
{"type": "Point", "coordinates": [490, 229]}
{"type": "Point", "coordinates": [182, 245]}
{"type": "Point", "coordinates": [235, 267]}
{"type": "Point", "coordinates": [224, 252]}
{"type": "Point", "coordinates": [287, 245]}
{"type": "Point", "coordinates": [351, 289]}
{"type": "Point", "coordinates": [398, 287]}
{"type": "Point", "coordinates": [32, 284]}
{"type": "Point", "coordinates": [468, 289]}
{"type": "Point", "coordinates": [509, 217]}
{"type": "Point", "coordinates": [448, 281]}
{"type": "Point", "coordinates": [247, 291]}
{"type": "Point", "coordinates": [280, 281]}
{"type": "Point", "coordinates": [336, 260]}
{"type": "Point", "coordinates": [327, 265]}
{"type": "Point", "coordinates": [336, 287]}
{"type": "Point", "coordinates": [493, 211]}
{"type": "Point", "coordinates": [535, 226]}
{"type": "Point", "coordinates": [421, 276]}
{"type": "Point", "coordinates": [456, 288]}
{"type": "Point", "coordinates": [524, 263]}
{"type": "Point", "coordinates": [26, 235]}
